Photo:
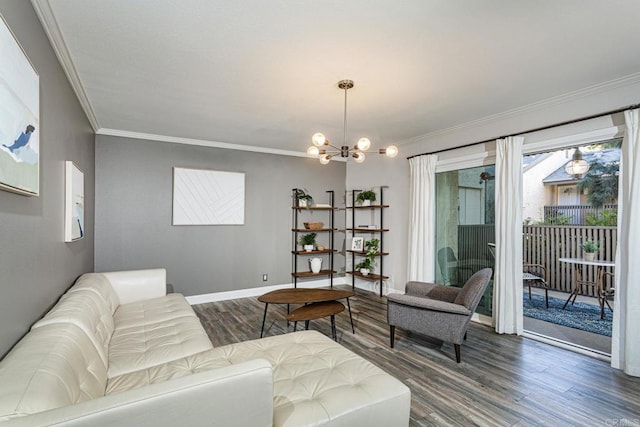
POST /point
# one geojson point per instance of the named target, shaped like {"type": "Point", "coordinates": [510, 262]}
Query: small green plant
{"type": "Point", "coordinates": [366, 195]}
{"type": "Point", "coordinates": [606, 218]}
{"type": "Point", "coordinates": [591, 246]}
{"type": "Point", "coordinates": [372, 248]}
{"type": "Point", "coordinates": [555, 220]}
{"type": "Point", "coordinates": [365, 263]}
{"type": "Point", "coordinates": [308, 239]}
{"type": "Point", "coordinates": [302, 194]}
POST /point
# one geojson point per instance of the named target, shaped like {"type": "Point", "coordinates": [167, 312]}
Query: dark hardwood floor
{"type": "Point", "coordinates": [503, 380]}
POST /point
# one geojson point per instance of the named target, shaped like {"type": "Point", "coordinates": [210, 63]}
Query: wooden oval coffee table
{"type": "Point", "coordinates": [304, 296]}
{"type": "Point", "coordinates": [317, 310]}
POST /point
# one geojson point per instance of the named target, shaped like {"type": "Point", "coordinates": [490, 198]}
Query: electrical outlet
{"type": "Point", "coordinates": [265, 277]}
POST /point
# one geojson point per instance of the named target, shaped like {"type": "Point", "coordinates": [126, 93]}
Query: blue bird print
{"type": "Point", "coordinates": [22, 140]}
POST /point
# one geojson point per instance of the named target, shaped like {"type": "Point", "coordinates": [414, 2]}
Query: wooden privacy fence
{"type": "Point", "coordinates": [546, 244]}
{"type": "Point", "coordinates": [472, 242]}
{"type": "Point", "coordinates": [542, 244]}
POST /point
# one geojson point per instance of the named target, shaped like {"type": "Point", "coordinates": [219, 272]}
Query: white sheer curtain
{"type": "Point", "coordinates": [507, 285]}
{"type": "Point", "coordinates": [625, 345]}
{"type": "Point", "coordinates": [422, 200]}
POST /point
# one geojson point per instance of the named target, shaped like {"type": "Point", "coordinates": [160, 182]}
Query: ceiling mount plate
{"type": "Point", "coordinates": [345, 84]}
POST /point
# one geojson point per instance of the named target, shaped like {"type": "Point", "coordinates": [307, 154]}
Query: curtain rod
{"type": "Point", "coordinates": [568, 122]}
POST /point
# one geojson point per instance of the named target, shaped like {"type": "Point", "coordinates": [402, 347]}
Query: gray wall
{"type": "Point", "coordinates": [36, 266]}
{"type": "Point", "coordinates": [134, 184]}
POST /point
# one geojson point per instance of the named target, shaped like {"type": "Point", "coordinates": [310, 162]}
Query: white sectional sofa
{"type": "Point", "coordinates": [116, 350]}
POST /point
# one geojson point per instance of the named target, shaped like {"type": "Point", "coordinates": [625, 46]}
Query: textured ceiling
{"type": "Point", "coordinates": [264, 73]}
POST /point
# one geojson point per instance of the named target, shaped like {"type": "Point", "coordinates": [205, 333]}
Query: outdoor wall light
{"type": "Point", "coordinates": [577, 165]}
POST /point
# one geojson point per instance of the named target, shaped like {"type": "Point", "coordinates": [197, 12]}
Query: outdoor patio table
{"type": "Point", "coordinates": [598, 283]}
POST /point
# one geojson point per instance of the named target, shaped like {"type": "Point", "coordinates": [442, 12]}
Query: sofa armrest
{"type": "Point", "coordinates": [138, 285]}
{"type": "Point", "coordinates": [429, 304]}
{"type": "Point", "coordinates": [216, 397]}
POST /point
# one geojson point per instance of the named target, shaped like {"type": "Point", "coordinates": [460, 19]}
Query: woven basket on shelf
{"type": "Point", "coordinates": [313, 225]}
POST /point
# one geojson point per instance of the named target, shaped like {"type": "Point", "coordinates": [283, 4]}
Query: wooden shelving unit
{"type": "Point", "coordinates": [296, 231]}
{"type": "Point", "coordinates": [379, 232]}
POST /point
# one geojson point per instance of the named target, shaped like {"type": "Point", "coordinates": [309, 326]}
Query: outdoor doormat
{"type": "Point", "coordinates": [580, 315]}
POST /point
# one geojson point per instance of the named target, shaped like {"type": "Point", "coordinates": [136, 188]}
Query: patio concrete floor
{"type": "Point", "coordinates": [600, 343]}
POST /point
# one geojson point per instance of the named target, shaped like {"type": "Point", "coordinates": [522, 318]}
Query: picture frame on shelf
{"type": "Point", "coordinates": [357, 244]}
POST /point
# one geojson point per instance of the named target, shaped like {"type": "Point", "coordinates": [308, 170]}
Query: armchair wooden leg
{"type": "Point", "coordinates": [457, 348]}
{"type": "Point", "coordinates": [392, 335]}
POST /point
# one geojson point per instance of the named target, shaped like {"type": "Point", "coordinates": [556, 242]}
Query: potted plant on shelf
{"type": "Point", "coordinates": [304, 199]}
{"type": "Point", "coordinates": [366, 265]}
{"type": "Point", "coordinates": [365, 198]}
{"type": "Point", "coordinates": [590, 248]}
{"type": "Point", "coordinates": [308, 241]}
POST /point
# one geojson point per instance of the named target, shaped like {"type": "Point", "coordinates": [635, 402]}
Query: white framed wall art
{"type": "Point", "coordinates": [19, 118]}
{"type": "Point", "coordinates": [207, 197]}
{"type": "Point", "coordinates": [73, 203]}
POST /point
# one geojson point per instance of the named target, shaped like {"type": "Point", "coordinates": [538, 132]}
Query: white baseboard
{"type": "Point", "coordinates": [482, 319]}
{"type": "Point", "coordinates": [374, 287]}
{"type": "Point", "coordinates": [254, 292]}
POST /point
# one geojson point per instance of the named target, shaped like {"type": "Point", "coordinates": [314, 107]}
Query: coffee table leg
{"type": "Point", "coordinates": [295, 325]}
{"type": "Point", "coordinates": [333, 328]}
{"type": "Point", "coordinates": [264, 317]}
{"type": "Point", "coordinates": [306, 325]}
{"type": "Point", "coordinates": [350, 317]}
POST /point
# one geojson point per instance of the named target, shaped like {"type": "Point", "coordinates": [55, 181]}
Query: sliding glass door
{"type": "Point", "coordinates": [465, 217]}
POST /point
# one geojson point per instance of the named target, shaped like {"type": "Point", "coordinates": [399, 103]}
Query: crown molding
{"type": "Point", "coordinates": [629, 80]}
{"type": "Point", "coordinates": [50, 25]}
{"type": "Point", "coordinates": [202, 143]}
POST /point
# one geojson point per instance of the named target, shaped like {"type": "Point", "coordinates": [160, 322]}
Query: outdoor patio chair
{"type": "Point", "coordinates": [532, 275]}
{"type": "Point", "coordinates": [439, 311]}
{"type": "Point", "coordinates": [535, 275]}
{"type": "Point", "coordinates": [606, 293]}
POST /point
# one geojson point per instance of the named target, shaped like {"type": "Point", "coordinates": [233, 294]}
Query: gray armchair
{"type": "Point", "coordinates": [439, 311]}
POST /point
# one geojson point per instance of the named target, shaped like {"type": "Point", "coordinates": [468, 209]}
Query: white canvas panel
{"type": "Point", "coordinates": [74, 203]}
{"type": "Point", "coordinates": [206, 197]}
{"type": "Point", "coordinates": [19, 118]}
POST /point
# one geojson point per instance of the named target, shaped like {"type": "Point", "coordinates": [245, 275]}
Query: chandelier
{"type": "Point", "coordinates": [577, 165]}
{"type": "Point", "coordinates": [357, 152]}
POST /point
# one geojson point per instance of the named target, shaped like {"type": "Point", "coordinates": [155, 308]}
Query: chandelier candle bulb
{"type": "Point", "coordinates": [363, 144]}
{"type": "Point", "coordinates": [318, 139]}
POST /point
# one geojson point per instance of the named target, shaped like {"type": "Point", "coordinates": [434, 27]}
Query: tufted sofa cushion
{"type": "Point", "coordinates": [90, 312]}
{"type": "Point", "coordinates": [54, 365]}
{"type": "Point", "coordinates": [314, 379]}
{"type": "Point", "coordinates": [152, 311]}
{"type": "Point", "coordinates": [146, 345]}
{"type": "Point", "coordinates": [99, 284]}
